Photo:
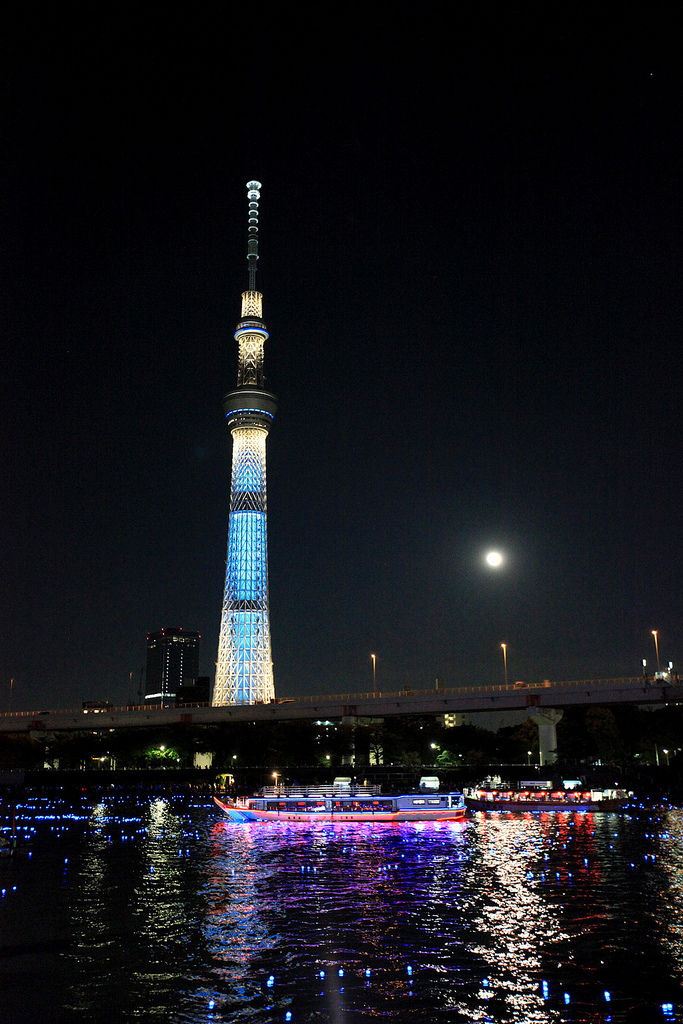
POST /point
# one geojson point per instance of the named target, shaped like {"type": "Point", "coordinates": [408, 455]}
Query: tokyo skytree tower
{"type": "Point", "coordinates": [244, 670]}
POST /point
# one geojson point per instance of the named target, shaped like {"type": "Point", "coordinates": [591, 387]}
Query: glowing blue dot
{"type": "Point", "coordinates": [341, 972]}
{"type": "Point", "coordinates": [288, 1015]}
{"type": "Point", "coordinates": [212, 1003]}
{"type": "Point", "coordinates": [567, 999]}
{"type": "Point", "coordinates": [368, 972]}
{"type": "Point", "coordinates": [322, 974]}
{"type": "Point", "coordinates": [485, 982]}
{"type": "Point", "coordinates": [608, 996]}
{"type": "Point", "coordinates": [409, 969]}
{"type": "Point", "coordinates": [270, 982]}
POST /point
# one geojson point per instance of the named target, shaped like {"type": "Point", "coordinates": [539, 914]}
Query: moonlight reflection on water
{"type": "Point", "coordinates": [149, 907]}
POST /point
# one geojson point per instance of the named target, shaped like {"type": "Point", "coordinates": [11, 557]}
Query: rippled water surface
{"type": "Point", "coordinates": [155, 908]}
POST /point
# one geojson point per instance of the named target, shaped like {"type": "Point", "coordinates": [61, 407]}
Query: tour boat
{"type": "Point", "coordinates": [344, 803]}
{"type": "Point", "coordinates": [535, 795]}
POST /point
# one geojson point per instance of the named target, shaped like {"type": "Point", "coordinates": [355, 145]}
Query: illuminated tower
{"type": "Point", "coordinates": [244, 670]}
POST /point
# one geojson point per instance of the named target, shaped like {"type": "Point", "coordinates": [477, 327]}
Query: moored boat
{"type": "Point", "coordinates": [344, 803]}
{"type": "Point", "coordinates": [535, 795]}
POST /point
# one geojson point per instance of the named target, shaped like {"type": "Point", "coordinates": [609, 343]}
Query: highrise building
{"type": "Point", "coordinates": [172, 662]}
{"type": "Point", "coordinates": [244, 669]}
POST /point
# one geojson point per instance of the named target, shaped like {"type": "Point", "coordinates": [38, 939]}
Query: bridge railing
{"type": "Point", "coordinates": [351, 698]}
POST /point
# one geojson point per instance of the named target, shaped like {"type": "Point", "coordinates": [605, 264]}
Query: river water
{"type": "Point", "coordinates": [145, 907]}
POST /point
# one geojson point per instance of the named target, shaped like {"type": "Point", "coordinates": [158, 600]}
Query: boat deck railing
{"type": "Point", "coordinates": [331, 791]}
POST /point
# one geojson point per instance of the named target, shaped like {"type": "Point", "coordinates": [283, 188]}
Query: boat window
{"type": "Point", "coordinates": [418, 801]}
{"type": "Point", "coordinates": [434, 801]}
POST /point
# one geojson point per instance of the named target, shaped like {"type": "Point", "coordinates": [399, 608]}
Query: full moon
{"type": "Point", "coordinates": [494, 559]}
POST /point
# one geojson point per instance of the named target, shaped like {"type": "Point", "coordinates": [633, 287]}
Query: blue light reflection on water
{"type": "Point", "coordinates": [159, 909]}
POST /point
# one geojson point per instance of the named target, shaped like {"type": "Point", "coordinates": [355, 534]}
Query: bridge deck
{"type": "Point", "coordinates": [632, 690]}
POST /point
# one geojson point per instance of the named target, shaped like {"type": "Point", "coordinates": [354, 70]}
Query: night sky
{"type": "Point", "coordinates": [470, 250]}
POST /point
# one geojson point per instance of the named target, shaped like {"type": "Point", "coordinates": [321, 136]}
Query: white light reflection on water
{"type": "Point", "coordinates": [128, 910]}
{"type": "Point", "coordinates": [508, 909]}
{"type": "Point", "coordinates": [665, 853]}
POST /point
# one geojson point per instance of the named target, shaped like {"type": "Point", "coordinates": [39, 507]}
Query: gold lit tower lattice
{"type": "Point", "coordinates": [244, 670]}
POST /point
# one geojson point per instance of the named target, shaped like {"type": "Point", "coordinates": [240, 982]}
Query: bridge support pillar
{"type": "Point", "coordinates": [546, 720]}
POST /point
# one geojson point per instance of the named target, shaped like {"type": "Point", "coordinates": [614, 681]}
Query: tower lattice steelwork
{"type": "Point", "coordinates": [244, 670]}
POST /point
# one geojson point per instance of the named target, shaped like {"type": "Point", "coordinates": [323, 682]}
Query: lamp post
{"type": "Point", "coordinates": [654, 633]}
{"type": "Point", "coordinates": [505, 661]}
{"type": "Point", "coordinates": [528, 757]}
{"type": "Point", "coordinates": [275, 776]}
{"type": "Point", "coordinates": [374, 674]}
{"type": "Point", "coordinates": [666, 752]}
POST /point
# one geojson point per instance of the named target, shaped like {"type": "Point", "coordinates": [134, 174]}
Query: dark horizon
{"type": "Point", "coordinates": [471, 266]}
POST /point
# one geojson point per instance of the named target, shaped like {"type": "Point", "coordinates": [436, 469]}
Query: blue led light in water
{"type": "Point", "coordinates": [668, 1009]}
{"type": "Point", "coordinates": [322, 974]}
{"type": "Point", "coordinates": [485, 982]}
{"type": "Point", "coordinates": [567, 999]}
{"type": "Point", "coordinates": [544, 987]}
{"type": "Point", "coordinates": [270, 982]}
{"type": "Point", "coordinates": [367, 972]}
{"type": "Point", "coordinates": [341, 972]}
{"type": "Point", "coordinates": [608, 996]}
{"type": "Point", "coordinates": [212, 1003]}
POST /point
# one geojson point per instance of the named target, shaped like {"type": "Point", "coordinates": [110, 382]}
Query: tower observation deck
{"type": "Point", "coordinates": [244, 669]}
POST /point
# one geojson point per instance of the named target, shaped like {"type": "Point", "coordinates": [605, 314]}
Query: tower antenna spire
{"type": "Point", "coordinates": [253, 195]}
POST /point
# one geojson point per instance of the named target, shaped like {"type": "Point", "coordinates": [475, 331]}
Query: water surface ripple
{"type": "Point", "coordinates": [155, 908]}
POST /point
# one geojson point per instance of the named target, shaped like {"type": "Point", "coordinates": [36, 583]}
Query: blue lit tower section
{"type": "Point", "coordinates": [244, 670]}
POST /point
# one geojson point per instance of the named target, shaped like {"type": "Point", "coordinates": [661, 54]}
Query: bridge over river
{"type": "Point", "coordinates": [547, 695]}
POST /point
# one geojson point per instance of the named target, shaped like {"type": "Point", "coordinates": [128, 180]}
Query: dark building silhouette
{"type": "Point", "coordinates": [172, 663]}
{"type": "Point", "coordinates": [197, 693]}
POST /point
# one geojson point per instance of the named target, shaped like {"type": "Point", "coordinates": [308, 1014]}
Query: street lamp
{"type": "Point", "coordinates": [528, 757]}
{"type": "Point", "coordinates": [505, 661]}
{"type": "Point", "coordinates": [667, 756]}
{"type": "Point", "coordinates": [654, 633]}
{"type": "Point", "coordinates": [275, 776]}
{"type": "Point", "coordinates": [374, 674]}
